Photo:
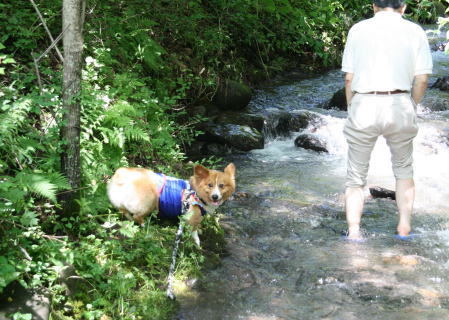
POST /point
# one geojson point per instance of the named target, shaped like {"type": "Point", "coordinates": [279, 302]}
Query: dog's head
{"type": "Point", "coordinates": [213, 187]}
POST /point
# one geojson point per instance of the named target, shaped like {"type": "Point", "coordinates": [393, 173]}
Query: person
{"type": "Point", "coordinates": [386, 61]}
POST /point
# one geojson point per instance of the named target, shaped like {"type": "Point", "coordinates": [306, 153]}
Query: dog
{"type": "Point", "coordinates": [136, 192]}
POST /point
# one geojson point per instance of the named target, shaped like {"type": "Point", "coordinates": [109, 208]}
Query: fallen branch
{"type": "Point", "coordinates": [46, 28]}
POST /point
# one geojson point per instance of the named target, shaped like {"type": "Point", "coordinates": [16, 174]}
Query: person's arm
{"type": "Point", "coordinates": [419, 87]}
{"type": "Point", "coordinates": [348, 90]}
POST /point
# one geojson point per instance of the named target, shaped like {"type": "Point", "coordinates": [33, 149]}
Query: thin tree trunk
{"type": "Point", "coordinates": [70, 129]}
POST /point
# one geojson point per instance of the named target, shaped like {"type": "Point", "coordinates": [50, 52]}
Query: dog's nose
{"type": "Point", "coordinates": [215, 197]}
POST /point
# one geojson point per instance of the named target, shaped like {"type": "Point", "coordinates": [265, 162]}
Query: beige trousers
{"type": "Point", "coordinates": [369, 116]}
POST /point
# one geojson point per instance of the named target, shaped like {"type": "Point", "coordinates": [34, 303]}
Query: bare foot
{"type": "Point", "coordinates": [354, 234]}
{"type": "Point", "coordinates": [403, 230]}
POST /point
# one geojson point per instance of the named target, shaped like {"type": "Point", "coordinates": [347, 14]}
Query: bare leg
{"type": "Point", "coordinates": [354, 199]}
{"type": "Point", "coordinates": [405, 196]}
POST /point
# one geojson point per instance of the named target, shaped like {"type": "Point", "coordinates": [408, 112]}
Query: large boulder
{"type": "Point", "coordinates": [283, 123]}
{"type": "Point", "coordinates": [232, 95]}
{"type": "Point", "coordinates": [310, 142]}
{"type": "Point", "coordinates": [245, 119]}
{"type": "Point", "coordinates": [379, 192]}
{"type": "Point", "coordinates": [240, 137]}
{"type": "Point", "coordinates": [338, 101]}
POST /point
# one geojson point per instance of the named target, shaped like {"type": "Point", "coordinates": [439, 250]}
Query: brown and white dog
{"type": "Point", "coordinates": [136, 192]}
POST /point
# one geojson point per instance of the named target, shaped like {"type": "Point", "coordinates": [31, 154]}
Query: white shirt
{"type": "Point", "coordinates": [385, 53]}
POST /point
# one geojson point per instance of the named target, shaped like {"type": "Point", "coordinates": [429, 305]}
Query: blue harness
{"type": "Point", "coordinates": [175, 197]}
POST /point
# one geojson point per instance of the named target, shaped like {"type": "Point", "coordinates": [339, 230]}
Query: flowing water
{"type": "Point", "coordinates": [287, 258]}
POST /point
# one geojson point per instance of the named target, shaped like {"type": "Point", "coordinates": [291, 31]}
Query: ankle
{"type": "Point", "coordinates": [403, 230]}
{"type": "Point", "coordinates": [353, 227]}
{"type": "Point", "coordinates": [354, 231]}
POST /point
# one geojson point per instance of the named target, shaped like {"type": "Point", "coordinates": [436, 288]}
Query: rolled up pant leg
{"type": "Point", "coordinates": [361, 132]}
{"type": "Point", "coordinates": [399, 135]}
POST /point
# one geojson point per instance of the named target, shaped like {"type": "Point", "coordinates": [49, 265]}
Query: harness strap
{"type": "Point", "coordinates": [192, 199]}
{"type": "Point", "coordinates": [164, 181]}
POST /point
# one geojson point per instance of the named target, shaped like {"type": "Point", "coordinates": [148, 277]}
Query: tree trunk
{"type": "Point", "coordinates": [70, 129]}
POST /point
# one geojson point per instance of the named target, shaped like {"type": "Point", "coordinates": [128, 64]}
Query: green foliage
{"type": "Point", "coordinates": [426, 11]}
{"type": "Point", "coordinates": [146, 64]}
{"type": "Point", "coordinates": [119, 270]}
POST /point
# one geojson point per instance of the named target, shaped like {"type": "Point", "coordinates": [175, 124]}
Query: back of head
{"type": "Point", "coordinates": [395, 4]}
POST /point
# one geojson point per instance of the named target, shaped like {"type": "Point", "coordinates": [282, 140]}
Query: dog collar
{"type": "Point", "coordinates": [190, 199]}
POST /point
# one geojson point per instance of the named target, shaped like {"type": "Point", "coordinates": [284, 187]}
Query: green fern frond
{"type": "Point", "coordinates": [136, 134]}
{"type": "Point", "coordinates": [59, 180]}
{"type": "Point", "coordinates": [13, 118]}
{"type": "Point", "coordinates": [122, 114]}
{"type": "Point", "coordinates": [44, 185]}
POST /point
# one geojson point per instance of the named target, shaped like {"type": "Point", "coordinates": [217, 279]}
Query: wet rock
{"type": "Point", "coordinates": [442, 83]}
{"type": "Point", "coordinates": [437, 104]}
{"type": "Point", "coordinates": [338, 101]}
{"type": "Point", "coordinates": [282, 123]}
{"type": "Point", "coordinates": [310, 142]}
{"type": "Point", "coordinates": [243, 138]}
{"type": "Point", "coordinates": [232, 95]}
{"type": "Point", "coordinates": [384, 296]}
{"type": "Point", "coordinates": [18, 299]}
{"type": "Point", "coordinates": [439, 46]}
{"type": "Point", "coordinates": [379, 192]}
{"type": "Point", "coordinates": [244, 119]}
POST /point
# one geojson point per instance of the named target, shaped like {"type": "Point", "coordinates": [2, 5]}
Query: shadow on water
{"type": "Point", "coordinates": [288, 259]}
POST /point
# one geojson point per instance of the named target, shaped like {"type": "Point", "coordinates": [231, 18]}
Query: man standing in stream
{"type": "Point", "coordinates": [387, 61]}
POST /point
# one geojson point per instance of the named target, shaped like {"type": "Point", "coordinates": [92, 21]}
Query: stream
{"type": "Point", "coordinates": [287, 257]}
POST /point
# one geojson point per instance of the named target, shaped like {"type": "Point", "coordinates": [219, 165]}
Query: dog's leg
{"type": "Point", "coordinates": [140, 220]}
{"type": "Point", "coordinates": [126, 214]}
{"type": "Point", "coordinates": [195, 221]}
{"type": "Point", "coordinates": [171, 271]}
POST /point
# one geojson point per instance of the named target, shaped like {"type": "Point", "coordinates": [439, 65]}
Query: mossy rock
{"type": "Point", "coordinates": [232, 95]}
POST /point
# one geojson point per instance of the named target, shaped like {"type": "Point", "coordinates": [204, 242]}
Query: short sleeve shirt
{"type": "Point", "coordinates": [385, 53]}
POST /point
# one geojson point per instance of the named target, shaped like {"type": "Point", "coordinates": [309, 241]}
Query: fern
{"type": "Point", "coordinates": [13, 118]}
{"type": "Point", "coordinates": [44, 185]}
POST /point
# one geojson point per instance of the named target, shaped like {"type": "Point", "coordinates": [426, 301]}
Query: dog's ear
{"type": "Point", "coordinates": [200, 172]}
{"type": "Point", "coordinates": [230, 169]}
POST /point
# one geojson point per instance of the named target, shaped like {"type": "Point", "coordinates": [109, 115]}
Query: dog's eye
{"type": "Point", "coordinates": [210, 185]}
{"type": "Point", "coordinates": [221, 185]}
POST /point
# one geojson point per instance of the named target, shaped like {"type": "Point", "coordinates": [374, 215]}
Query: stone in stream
{"type": "Point", "coordinates": [338, 101]}
{"type": "Point", "coordinates": [241, 137]}
{"type": "Point", "coordinates": [439, 46]}
{"type": "Point", "coordinates": [442, 83]}
{"type": "Point", "coordinates": [311, 142]}
{"type": "Point", "coordinates": [436, 104]}
{"type": "Point", "coordinates": [379, 192]}
{"type": "Point", "coordinates": [283, 123]}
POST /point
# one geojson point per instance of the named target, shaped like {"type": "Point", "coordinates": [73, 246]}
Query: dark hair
{"type": "Point", "coordinates": [395, 4]}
